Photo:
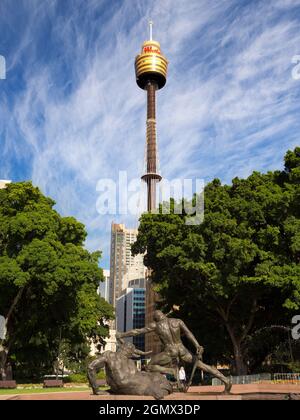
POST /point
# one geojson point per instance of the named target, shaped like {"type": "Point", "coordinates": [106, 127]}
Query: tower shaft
{"type": "Point", "coordinates": [151, 176]}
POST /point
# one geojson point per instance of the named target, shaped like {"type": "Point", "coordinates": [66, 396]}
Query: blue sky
{"type": "Point", "coordinates": [71, 113]}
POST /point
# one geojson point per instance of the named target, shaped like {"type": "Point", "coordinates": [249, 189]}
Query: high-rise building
{"type": "Point", "coordinates": [151, 75]}
{"type": "Point", "coordinates": [124, 267]}
{"type": "Point", "coordinates": [103, 289]}
{"type": "Point", "coordinates": [130, 313]}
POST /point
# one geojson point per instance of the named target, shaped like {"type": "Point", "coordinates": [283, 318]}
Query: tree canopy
{"type": "Point", "coordinates": [238, 272]}
{"type": "Point", "coordinates": [48, 280]}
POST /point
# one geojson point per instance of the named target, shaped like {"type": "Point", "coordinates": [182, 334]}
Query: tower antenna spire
{"type": "Point", "coordinates": [150, 29]}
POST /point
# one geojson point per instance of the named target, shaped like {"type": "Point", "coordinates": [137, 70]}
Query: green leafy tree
{"type": "Point", "coordinates": [236, 272]}
{"type": "Point", "coordinates": [48, 280]}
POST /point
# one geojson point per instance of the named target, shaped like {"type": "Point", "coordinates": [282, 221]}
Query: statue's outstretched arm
{"type": "Point", "coordinates": [136, 331]}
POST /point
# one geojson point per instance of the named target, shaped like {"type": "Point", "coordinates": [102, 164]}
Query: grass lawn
{"type": "Point", "coordinates": [41, 390]}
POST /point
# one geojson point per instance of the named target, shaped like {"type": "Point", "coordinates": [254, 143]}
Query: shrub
{"type": "Point", "coordinates": [81, 378]}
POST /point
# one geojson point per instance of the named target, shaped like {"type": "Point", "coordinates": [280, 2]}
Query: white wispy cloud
{"type": "Point", "coordinates": [230, 105]}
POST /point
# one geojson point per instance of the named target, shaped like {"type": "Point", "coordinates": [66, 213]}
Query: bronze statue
{"type": "Point", "coordinates": [123, 376]}
{"type": "Point", "coordinates": [169, 331]}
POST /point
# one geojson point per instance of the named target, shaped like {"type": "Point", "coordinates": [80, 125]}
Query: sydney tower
{"type": "Point", "coordinates": [151, 75]}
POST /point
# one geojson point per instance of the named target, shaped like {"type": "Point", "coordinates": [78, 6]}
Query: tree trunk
{"type": "Point", "coordinates": [3, 360]}
{"type": "Point", "coordinates": [240, 365]}
{"type": "Point", "coordinates": [4, 349]}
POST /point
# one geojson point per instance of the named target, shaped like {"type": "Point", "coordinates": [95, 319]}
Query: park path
{"type": "Point", "coordinates": [261, 391]}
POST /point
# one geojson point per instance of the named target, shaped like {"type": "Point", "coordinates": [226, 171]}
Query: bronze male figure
{"type": "Point", "coordinates": [169, 331]}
